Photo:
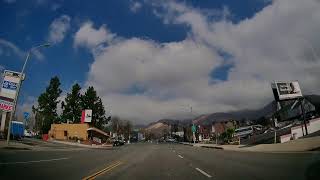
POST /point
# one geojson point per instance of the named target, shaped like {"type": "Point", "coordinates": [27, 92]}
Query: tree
{"type": "Point", "coordinates": [72, 105]}
{"type": "Point", "coordinates": [46, 111]}
{"type": "Point", "coordinates": [90, 100]}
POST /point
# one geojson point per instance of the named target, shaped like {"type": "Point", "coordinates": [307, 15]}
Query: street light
{"type": "Point", "coordinates": [15, 100]}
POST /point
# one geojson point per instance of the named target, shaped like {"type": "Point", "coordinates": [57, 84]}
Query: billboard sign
{"type": "Point", "coordinates": [6, 106]}
{"type": "Point", "coordinates": [8, 91]}
{"type": "Point", "coordinates": [86, 115]}
{"type": "Point", "coordinates": [286, 90]}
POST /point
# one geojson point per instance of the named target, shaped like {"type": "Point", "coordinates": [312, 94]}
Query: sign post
{"type": "Point", "coordinates": [17, 78]}
{"type": "Point", "coordinates": [288, 90]}
{"type": "Point", "coordinates": [193, 128]}
{"type": "Point", "coordinates": [9, 91]}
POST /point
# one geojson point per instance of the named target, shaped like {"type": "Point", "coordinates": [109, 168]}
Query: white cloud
{"type": "Point", "coordinates": [264, 48]}
{"type": "Point", "coordinates": [135, 6]}
{"type": "Point", "coordinates": [8, 48]}
{"type": "Point", "coordinates": [59, 28]}
{"type": "Point", "coordinates": [12, 47]}
{"type": "Point", "coordinates": [88, 36]}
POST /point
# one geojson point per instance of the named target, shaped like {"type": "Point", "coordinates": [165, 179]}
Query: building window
{"type": "Point", "coordinates": [65, 133]}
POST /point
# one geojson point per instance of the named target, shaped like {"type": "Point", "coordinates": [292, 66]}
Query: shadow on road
{"type": "Point", "coordinates": [313, 171]}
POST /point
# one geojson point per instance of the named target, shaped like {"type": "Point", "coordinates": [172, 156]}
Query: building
{"type": "Point", "coordinates": [82, 132]}
{"type": "Point", "coordinates": [222, 126]}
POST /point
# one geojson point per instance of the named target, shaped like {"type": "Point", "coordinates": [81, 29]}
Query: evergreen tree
{"type": "Point", "coordinates": [72, 105]}
{"type": "Point", "coordinates": [47, 105]}
{"type": "Point", "coordinates": [90, 100]}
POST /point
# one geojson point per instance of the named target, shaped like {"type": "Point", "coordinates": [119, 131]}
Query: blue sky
{"type": "Point", "coordinates": [28, 23]}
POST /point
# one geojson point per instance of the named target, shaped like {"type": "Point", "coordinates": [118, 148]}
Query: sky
{"type": "Point", "coordinates": [152, 59]}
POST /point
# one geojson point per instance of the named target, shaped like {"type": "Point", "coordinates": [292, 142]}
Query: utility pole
{"type": "Point", "coordinates": [15, 100]}
{"type": "Point", "coordinates": [304, 116]}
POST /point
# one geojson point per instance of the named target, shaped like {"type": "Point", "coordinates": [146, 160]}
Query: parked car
{"type": "Point", "coordinates": [118, 142]}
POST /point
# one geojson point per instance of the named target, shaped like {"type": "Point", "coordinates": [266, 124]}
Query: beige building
{"type": "Point", "coordinates": [69, 131]}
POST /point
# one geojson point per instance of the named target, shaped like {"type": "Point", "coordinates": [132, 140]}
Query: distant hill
{"type": "Point", "coordinates": [252, 115]}
{"type": "Point", "coordinates": [236, 115]}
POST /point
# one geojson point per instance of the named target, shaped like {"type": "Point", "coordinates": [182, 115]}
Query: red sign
{"type": "Point", "coordinates": [6, 106]}
{"type": "Point", "coordinates": [83, 116]}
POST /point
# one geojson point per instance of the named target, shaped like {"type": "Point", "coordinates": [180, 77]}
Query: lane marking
{"type": "Point", "coordinates": [43, 160]}
{"type": "Point", "coordinates": [204, 173]}
{"type": "Point", "coordinates": [103, 171]}
{"type": "Point", "coordinates": [180, 156]}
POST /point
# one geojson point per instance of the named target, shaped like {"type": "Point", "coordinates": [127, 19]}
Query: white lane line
{"type": "Point", "coordinates": [204, 173]}
{"type": "Point", "coordinates": [180, 156]}
{"type": "Point", "coordinates": [43, 160]}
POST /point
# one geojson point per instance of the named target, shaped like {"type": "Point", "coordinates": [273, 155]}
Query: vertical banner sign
{"type": "Point", "coordinates": [82, 116]}
{"type": "Point", "coordinates": [8, 90]}
{"type": "Point", "coordinates": [86, 115]}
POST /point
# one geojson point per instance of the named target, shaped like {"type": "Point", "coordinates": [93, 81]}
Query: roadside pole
{"type": "Point", "coordinates": [216, 138]}
{"type": "Point", "coordinates": [15, 100]}
{"type": "Point", "coordinates": [304, 116]}
{"type": "Point", "coordinates": [193, 133]}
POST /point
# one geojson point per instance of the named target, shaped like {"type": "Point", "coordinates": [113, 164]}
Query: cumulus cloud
{"type": "Point", "coordinates": [144, 80]}
{"type": "Point", "coordinates": [89, 37]}
{"type": "Point", "coordinates": [135, 6]}
{"type": "Point", "coordinates": [59, 28]}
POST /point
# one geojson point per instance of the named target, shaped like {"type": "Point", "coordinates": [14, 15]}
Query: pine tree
{"type": "Point", "coordinates": [47, 105]}
{"type": "Point", "coordinates": [90, 100]}
{"type": "Point", "coordinates": [72, 105]}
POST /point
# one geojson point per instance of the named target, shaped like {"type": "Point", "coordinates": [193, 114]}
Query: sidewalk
{"type": "Point", "coordinates": [299, 145]}
{"type": "Point", "coordinates": [14, 145]}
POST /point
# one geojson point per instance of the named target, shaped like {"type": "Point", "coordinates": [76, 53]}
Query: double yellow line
{"type": "Point", "coordinates": [108, 168]}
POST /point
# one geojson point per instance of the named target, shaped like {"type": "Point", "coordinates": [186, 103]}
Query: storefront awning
{"type": "Point", "coordinates": [98, 131]}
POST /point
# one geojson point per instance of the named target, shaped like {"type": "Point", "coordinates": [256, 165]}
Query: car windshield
{"type": "Point", "coordinates": [160, 89]}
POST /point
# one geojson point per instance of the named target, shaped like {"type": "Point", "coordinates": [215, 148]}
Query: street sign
{"type": "Point", "coordinates": [9, 88]}
{"type": "Point", "coordinates": [193, 128]}
{"type": "Point", "coordinates": [26, 115]}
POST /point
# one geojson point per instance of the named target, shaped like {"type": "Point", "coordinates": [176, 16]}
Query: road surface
{"type": "Point", "coordinates": [156, 161]}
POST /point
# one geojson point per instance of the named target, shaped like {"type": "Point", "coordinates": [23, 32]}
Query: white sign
{"type": "Point", "coordinates": [287, 90]}
{"type": "Point", "coordinates": [87, 115]}
{"type": "Point", "coordinates": [8, 90]}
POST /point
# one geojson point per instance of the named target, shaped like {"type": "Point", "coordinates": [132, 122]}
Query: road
{"type": "Point", "coordinates": [155, 161]}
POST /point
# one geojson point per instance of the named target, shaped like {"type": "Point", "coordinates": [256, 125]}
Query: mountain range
{"type": "Point", "coordinates": [207, 119]}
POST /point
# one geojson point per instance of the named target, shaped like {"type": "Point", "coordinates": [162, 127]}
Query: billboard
{"type": "Point", "coordinates": [86, 115]}
{"type": "Point", "coordinates": [286, 90]}
{"type": "Point", "coordinates": [8, 91]}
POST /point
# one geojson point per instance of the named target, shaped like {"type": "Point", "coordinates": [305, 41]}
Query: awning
{"type": "Point", "coordinates": [98, 131]}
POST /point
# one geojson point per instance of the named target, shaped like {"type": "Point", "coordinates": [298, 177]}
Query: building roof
{"type": "Point", "coordinates": [98, 131]}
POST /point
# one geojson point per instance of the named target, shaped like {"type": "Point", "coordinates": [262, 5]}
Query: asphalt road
{"type": "Point", "coordinates": [156, 161]}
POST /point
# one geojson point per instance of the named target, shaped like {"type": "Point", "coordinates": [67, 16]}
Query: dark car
{"type": "Point", "coordinates": [118, 143]}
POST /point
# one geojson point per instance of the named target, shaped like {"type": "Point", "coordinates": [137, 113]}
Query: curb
{"type": "Point", "coordinates": [212, 147]}
{"type": "Point", "coordinates": [82, 145]}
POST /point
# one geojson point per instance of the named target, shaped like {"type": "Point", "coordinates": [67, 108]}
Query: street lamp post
{"type": "Point", "coordinates": [15, 100]}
